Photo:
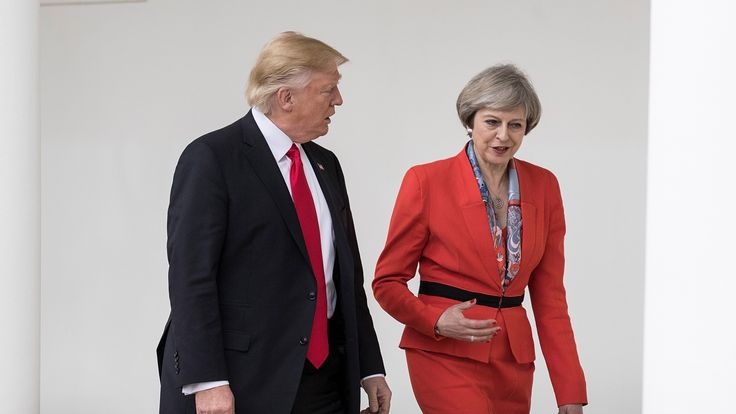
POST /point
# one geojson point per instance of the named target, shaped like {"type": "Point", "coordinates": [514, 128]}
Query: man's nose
{"type": "Point", "coordinates": [338, 97]}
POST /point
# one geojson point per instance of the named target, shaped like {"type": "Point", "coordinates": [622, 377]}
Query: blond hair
{"type": "Point", "coordinates": [288, 61]}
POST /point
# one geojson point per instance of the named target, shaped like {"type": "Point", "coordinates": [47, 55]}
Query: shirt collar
{"type": "Point", "coordinates": [278, 142]}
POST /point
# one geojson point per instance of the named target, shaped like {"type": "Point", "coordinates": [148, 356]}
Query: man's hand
{"type": "Point", "coordinates": [218, 400]}
{"type": "Point", "coordinates": [571, 409]}
{"type": "Point", "coordinates": [379, 395]}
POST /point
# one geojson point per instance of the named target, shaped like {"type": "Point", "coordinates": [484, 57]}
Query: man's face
{"type": "Point", "coordinates": [314, 105]}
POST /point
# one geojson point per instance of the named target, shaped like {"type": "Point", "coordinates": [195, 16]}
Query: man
{"type": "Point", "coordinates": [268, 311]}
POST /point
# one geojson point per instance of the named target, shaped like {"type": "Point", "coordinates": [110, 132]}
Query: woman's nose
{"type": "Point", "coordinates": [502, 133]}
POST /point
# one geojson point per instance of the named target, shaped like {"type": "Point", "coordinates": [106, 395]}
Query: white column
{"type": "Point", "coordinates": [690, 303]}
{"type": "Point", "coordinates": [19, 207]}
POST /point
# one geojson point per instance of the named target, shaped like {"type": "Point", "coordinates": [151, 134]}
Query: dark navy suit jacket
{"type": "Point", "coordinates": [240, 282]}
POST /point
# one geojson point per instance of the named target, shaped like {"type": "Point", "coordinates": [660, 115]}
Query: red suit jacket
{"type": "Point", "coordinates": [439, 222]}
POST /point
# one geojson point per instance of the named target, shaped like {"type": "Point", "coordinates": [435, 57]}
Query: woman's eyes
{"type": "Point", "coordinates": [496, 123]}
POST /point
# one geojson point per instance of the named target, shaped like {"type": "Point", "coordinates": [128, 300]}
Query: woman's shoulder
{"type": "Point", "coordinates": [533, 170]}
{"type": "Point", "coordinates": [438, 168]}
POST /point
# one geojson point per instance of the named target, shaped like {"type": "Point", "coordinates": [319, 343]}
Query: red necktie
{"type": "Point", "coordinates": [318, 345]}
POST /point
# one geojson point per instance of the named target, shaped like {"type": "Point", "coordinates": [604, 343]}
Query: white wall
{"type": "Point", "coordinates": [20, 200]}
{"type": "Point", "coordinates": [126, 87]}
{"type": "Point", "coordinates": [690, 345]}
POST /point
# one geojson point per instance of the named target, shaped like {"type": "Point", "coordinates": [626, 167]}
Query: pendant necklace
{"type": "Point", "coordinates": [498, 202]}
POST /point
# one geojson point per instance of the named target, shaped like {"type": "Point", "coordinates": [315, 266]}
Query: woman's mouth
{"type": "Point", "coordinates": [500, 150]}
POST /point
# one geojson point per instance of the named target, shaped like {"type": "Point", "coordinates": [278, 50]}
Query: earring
{"type": "Point", "coordinates": [470, 130]}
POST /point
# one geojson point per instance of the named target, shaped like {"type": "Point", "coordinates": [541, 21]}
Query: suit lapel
{"type": "Point", "coordinates": [530, 214]}
{"type": "Point", "coordinates": [474, 215]}
{"type": "Point", "coordinates": [265, 167]}
{"type": "Point", "coordinates": [328, 183]}
{"type": "Point", "coordinates": [327, 179]}
{"type": "Point", "coordinates": [476, 222]}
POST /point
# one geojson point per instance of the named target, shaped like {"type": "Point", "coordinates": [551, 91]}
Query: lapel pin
{"type": "Point", "coordinates": [320, 166]}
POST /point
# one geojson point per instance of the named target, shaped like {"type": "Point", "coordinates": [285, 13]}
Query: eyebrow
{"type": "Point", "coordinates": [511, 120]}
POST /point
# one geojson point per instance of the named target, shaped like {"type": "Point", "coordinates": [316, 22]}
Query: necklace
{"type": "Point", "coordinates": [498, 202]}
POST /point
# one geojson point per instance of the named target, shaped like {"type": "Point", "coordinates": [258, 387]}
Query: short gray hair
{"type": "Point", "coordinates": [288, 61]}
{"type": "Point", "coordinates": [502, 88]}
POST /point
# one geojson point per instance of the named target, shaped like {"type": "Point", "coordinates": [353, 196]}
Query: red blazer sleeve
{"type": "Point", "coordinates": [407, 235]}
{"type": "Point", "coordinates": [550, 307]}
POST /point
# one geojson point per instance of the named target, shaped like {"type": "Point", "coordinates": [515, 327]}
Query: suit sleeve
{"type": "Point", "coordinates": [549, 302]}
{"type": "Point", "coordinates": [197, 225]}
{"type": "Point", "coordinates": [371, 361]}
{"type": "Point", "coordinates": [407, 235]}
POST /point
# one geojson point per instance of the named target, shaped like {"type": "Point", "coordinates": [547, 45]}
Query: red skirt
{"type": "Point", "coordinates": [445, 384]}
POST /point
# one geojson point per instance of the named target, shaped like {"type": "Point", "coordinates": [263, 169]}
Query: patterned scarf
{"type": "Point", "coordinates": [508, 258]}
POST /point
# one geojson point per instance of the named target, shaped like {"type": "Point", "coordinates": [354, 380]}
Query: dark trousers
{"type": "Point", "coordinates": [323, 390]}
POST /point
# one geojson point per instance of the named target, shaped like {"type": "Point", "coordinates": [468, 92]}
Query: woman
{"type": "Point", "coordinates": [482, 226]}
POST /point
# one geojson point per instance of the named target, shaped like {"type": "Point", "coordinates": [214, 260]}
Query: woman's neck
{"type": "Point", "coordinates": [493, 174]}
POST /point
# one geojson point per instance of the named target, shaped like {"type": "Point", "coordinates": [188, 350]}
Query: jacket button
{"type": "Point", "coordinates": [303, 341]}
{"type": "Point", "coordinates": [312, 296]}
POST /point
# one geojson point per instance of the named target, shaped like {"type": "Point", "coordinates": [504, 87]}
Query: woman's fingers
{"type": "Point", "coordinates": [480, 338]}
{"type": "Point", "coordinates": [453, 323]}
{"type": "Point", "coordinates": [477, 323]}
{"type": "Point", "coordinates": [482, 332]}
{"type": "Point", "coordinates": [464, 305]}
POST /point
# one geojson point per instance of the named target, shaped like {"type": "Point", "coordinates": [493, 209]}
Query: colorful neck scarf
{"type": "Point", "coordinates": [508, 257]}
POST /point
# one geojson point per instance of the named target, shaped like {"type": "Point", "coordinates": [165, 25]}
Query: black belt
{"type": "Point", "coordinates": [451, 292]}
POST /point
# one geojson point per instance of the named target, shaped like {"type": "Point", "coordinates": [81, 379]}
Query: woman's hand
{"type": "Point", "coordinates": [571, 409]}
{"type": "Point", "coordinates": [453, 324]}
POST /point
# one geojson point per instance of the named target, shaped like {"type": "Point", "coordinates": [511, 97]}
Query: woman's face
{"type": "Point", "coordinates": [497, 135]}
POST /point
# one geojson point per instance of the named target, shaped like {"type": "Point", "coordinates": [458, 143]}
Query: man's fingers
{"type": "Point", "coordinates": [385, 405]}
{"type": "Point", "coordinates": [385, 401]}
{"type": "Point", "coordinates": [373, 403]}
{"type": "Point", "coordinates": [372, 391]}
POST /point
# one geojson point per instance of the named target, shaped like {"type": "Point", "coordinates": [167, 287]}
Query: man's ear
{"type": "Point", "coordinates": [284, 99]}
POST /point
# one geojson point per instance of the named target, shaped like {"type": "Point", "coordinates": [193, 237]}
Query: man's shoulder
{"type": "Point", "coordinates": [222, 137]}
{"type": "Point", "coordinates": [218, 143]}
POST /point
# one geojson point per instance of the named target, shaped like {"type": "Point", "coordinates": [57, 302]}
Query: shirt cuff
{"type": "Point", "coordinates": [371, 376]}
{"type": "Point", "coordinates": [190, 389]}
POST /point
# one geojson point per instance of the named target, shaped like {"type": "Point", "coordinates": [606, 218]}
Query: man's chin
{"type": "Point", "coordinates": [321, 134]}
